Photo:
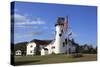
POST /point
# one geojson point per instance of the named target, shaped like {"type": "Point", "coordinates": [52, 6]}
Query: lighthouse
{"type": "Point", "coordinates": [59, 44]}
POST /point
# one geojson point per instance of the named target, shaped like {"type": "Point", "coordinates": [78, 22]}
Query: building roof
{"type": "Point", "coordinates": [71, 41]}
{"type": "Point", "coordinates": [41, 42]}
{"type": "Point", "coordinates": [18, 50]}
{"type": "Point", "coordinates": [60, 21]}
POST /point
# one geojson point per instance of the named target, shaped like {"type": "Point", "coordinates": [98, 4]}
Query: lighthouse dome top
{"type": "Point", "coordinates": [60, 21]}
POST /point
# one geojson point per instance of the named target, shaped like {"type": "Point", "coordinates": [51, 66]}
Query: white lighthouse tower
{"type": "Point", "coordinates": [59, 44]}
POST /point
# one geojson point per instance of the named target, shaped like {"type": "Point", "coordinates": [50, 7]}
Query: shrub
{"type": "Point", "coordinates": [53, 53]}
{"type": "Point", "coordinates": [77, 55]}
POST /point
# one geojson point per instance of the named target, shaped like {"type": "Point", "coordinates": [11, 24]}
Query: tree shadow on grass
{"type": "Point", "coordinates": [25, 62]}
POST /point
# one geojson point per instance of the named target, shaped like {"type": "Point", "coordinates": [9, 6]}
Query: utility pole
{"type": "Point", "coordinates": [68, 44]}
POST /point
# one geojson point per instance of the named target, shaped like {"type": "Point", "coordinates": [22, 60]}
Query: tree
{"type": "Point", "coordinates": [21, 46]}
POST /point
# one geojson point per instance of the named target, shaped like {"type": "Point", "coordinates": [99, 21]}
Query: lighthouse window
{"type": "Point", "coordinates": [60, 35]}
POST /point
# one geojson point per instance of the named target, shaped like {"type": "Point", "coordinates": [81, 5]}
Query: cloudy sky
{"type": "Point", "coordinates": [36, 21]}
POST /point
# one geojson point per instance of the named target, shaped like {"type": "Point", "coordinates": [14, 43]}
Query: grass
{"type": "Point", "coordinates": [48, 59]}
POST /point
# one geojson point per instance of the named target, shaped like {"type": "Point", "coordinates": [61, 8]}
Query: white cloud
{"type": "Point", "coordinates": [36, 32]}
{"type": "Point", "coordinates": [22, 26]}
{"type": "Point", "coordinates": [31, 22]}
{"type": "Point", "coordinates": [22, 36]}
{"type": "Point", "coordinates": [19, 18]}
{"type": "Point", "coordinates": [28, 34]}
{"type": "Point", "coordinates": [23, 20]}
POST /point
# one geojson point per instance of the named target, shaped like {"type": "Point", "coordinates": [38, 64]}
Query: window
{"type": "Point", "coordinates": [31, 46]}
{"type": "Point", "coordinates": [19, 52]}
{"type": "Point", "coordinates": [60, 35]}
{"type": "Point", "coordinates": [53, 47]}
{"type": "Point", "coordinates": [30, 51]}
{"type": "Point", "coordinates": [63, 44]}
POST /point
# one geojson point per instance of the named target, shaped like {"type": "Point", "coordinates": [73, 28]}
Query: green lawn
{"type": "Point", "coordinates": [26, 60]}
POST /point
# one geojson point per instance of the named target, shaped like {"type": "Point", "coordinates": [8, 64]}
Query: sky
{"type": "Point", "coordinates": [37, 20]}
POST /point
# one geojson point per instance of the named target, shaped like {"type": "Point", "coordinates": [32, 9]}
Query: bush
{"type": "Point", "coordinates": [53, 53]}
{"type": "Point", "coordinates": [77, 55]}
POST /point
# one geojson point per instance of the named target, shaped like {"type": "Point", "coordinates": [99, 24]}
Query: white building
{"type": "Point", "coordinates": [38, 47]}
{"type": "Point", "coordinates": [31, 48]}
{"type": "Point", "coordinates": [18, 52]}
{"type": "Point", "coordinates": [58, 45]}
{"type": "Point", "coordinates": [44, 51]}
